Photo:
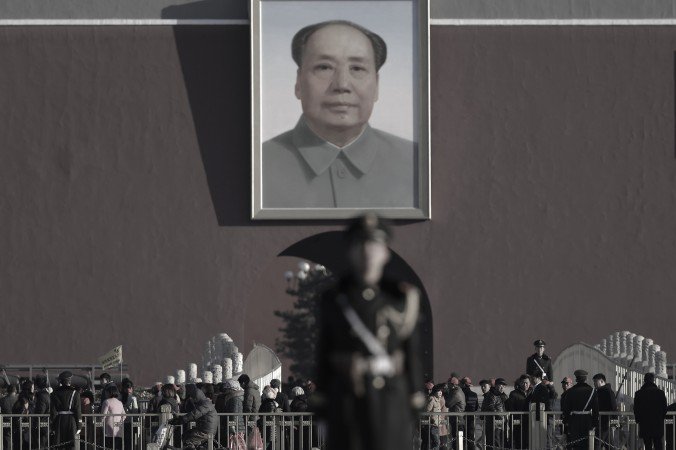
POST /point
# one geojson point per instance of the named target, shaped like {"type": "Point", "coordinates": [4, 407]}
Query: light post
{"type": "Point", "coordinates": [306, 277]}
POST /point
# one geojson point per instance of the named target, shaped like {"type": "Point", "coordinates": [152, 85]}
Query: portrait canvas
{"type": "Point", "coordinates": [340, 109]}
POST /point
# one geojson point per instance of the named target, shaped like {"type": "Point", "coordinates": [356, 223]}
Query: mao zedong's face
{"type": "Point", "coordinates": [337, 83]}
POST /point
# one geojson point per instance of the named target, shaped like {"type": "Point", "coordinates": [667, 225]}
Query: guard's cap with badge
{"type": "Point", "coordinates": [368, 227]}
{"type": "Point", "coordinates": [580, 374]}
{"type": "Point", "coordinates": [65, 375]}
{"type": "Point", "coordinates": [539, 343]}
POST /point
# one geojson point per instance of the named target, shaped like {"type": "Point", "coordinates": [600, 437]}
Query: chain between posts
{"type": "Point", "coordinates": [497, 447]}
{"type": "Point", "coordinates": [607, 443]}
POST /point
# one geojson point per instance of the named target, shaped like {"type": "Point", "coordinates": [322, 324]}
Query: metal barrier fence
{"type": "Point", "coordinates": [278, 431]}
{"type": "Point", "coordinates": [531, 430]}
{"type": "Point", "coordinates": [297, 431]}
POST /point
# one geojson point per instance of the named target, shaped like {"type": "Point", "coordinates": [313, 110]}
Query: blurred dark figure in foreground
{"type": "Point", "coordinates": [650, 410]}
{"type": "Point", "coordinates": [368, 366]}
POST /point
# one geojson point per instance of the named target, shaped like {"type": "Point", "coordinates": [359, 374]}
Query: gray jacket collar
{"type": "Point", "coordinates": [319, 154]}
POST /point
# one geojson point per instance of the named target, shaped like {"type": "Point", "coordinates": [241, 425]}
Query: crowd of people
{"type": "Point", "coordinates": [234, 411]}
{"type": "Point", "coordinates": [238, 401]}
{"type": "Point", "coordinates": [65, 406]}
{"type": "Point", "coordinates": [579, 404]}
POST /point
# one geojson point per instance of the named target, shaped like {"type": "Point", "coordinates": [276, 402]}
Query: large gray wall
{"type": "Point", "coordinates": [124, 172]}
{"type": "Point", "coordinates": [238, 9]}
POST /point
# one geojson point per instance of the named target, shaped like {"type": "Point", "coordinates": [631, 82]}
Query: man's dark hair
{"type": "Point", "coordinates": [244, 380]}
{"type": "Point", "coordinates": [649, 377]}
{"type": "Point", "coordinates": [275, 383]}
{"type": "Point", "coordinates": [113, 391]}
{"type": "Point", "coordinates": [599, 376]}
{"type": "Point", "coordinates": [301, 37]}
{"type": "Point", "coordinates": [104, 376]}
{"type": "Point", "coordinates": [27, 385]}
{"type": "Point", "coordinates": [41, 382]}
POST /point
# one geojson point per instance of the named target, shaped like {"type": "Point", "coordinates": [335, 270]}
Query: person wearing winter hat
{"type": "Point", "coordinates": [230, 401]}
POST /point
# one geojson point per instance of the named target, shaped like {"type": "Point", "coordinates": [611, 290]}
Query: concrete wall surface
{"type": "Point", "coordinates": [125, 180]}
{"type": "Point", "coordinates": [238, 9]}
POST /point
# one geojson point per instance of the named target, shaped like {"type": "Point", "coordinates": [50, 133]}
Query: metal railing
{"type": "Point", "coordinates": [543, 430]}
{"type": "Point", "coordinates": [277, 431]}
{"type": "Point", "coordinates": [299, 431]}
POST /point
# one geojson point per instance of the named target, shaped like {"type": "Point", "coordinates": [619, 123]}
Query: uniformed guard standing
{"type": "Point", "coordinates": [580, 411]}
{"type": "Point", "coordinates": [540, 361]}
{"type": "Point", "coordinates": [65, 412]}
{"type": "Point", "coordinates": [368, 367]}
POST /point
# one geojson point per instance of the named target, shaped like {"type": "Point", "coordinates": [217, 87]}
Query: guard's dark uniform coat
{"type": "Point", "coordinates": [580, 413]}
{"type": "Point", "coordinates": [367, 412]}
{"type": "Point", "coordinates": [66, 414]}
{"type": "Point", "coordinates": [544, 361]}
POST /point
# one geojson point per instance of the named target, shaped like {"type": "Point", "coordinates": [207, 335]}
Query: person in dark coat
{"type": "Point", "coordinates": [154, 403]}
{"type": "Point", "coordinates": [369, 373]}
{"type": "Point", "coordinates": [650, 410]}
{"type": "Point", "coordinates": [105, 383]}
{"type": "Point", "coordinates": [66, 411]}
{"type": "Point", "coordinates": [230, 401]}
{"type": "Point", "coordinates": [471, 405]}
{"type": "Point", "coordinates": [24, 405]}
{"type": "Point", "coordinates": [6, 405]}
{"type": "Point", "coordinates": [494, 425]}
{"type": "Point", "coordinates": [169, 397]}
{"type": "Point", "coordinates": [89, 432]}
{"type": "Point", "coordinates": [580, 411]}
{"type": "Point", "coordinates": [542, 392]}
{"type": "Point", "coordinates": [670, 431]}
{"type": "Point", "coordinates": [566, 384]}
{"type": "Point", "coordinates": [131, 406]}
{"type": "Point", "coordinates": [268, 424]}
{"type": "Point", "coordinates": [539, 360]}
{"type": "Point", "coordinates": [517, 403]}
{"type": "Point", "coordinates": [607, 403]}
{"type": "Point", "coordinates": [199, 409]}
{"type": "Point", "coordinates": [41, 407]}
{"type": "Point", "coordinates": [301, 432]}
{"type": "Point", "coordinates": [7, 402]}
{"type": "Point", "coordinates": [252, 397]}
{"type": "Point", "coordinates": [454, 398]}
{"type": "Point", "coordinates": [282, 399]}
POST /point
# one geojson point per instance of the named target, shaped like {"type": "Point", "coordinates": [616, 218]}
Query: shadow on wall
{"type": "Point", "coordinates": [328, 249]}
{"type": "Point", "coordinates": [215, 67]}
{"type": "Point", "coordinates": [208, 9]}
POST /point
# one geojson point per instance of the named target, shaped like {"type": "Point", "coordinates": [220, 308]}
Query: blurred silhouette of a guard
{"type": "Point", "coordinates": [369, 372]}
